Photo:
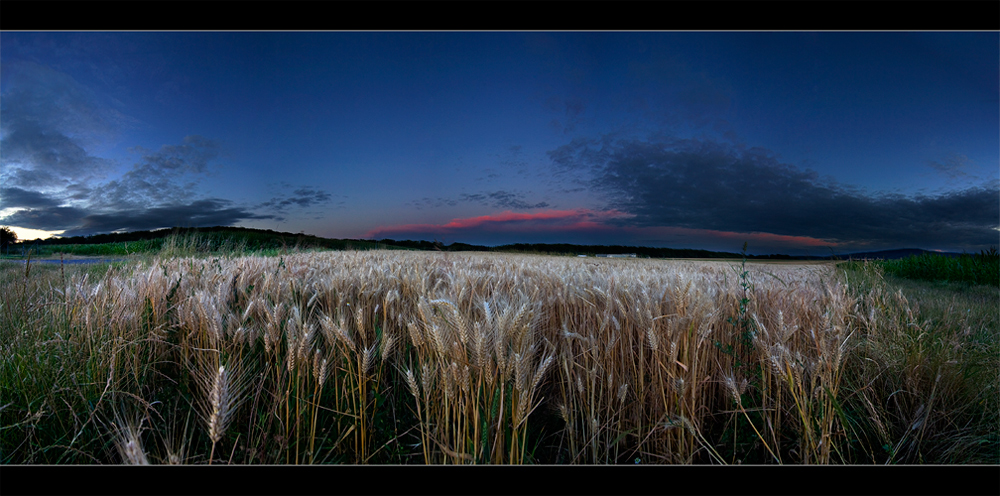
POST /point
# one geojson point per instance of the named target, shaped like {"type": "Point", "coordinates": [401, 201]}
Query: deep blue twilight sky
{"type": "Point", "coordinates": [797, 142]}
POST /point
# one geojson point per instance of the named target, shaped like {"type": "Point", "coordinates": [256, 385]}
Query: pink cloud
{"type": "Point", "coordinates": [586, 224]}
{"type": "Point", "coordinates": [766, 238]}
{"type": "Point", "coordinates": [549, 220]}
{"type": "Point", "coordinates": [753, 238]}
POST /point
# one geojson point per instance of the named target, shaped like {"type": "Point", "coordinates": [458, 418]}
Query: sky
{"type": "Point", "coordinates": [802, 143]}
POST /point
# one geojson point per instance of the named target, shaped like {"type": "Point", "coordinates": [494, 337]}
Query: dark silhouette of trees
{"type": "Point", "coordinates": [7, 237]}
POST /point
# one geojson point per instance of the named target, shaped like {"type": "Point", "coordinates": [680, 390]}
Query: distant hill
{"type": "Point", "coordinates": [266, 238]}
{"type": "Point", "coordinates": [643, 251]}
{"type": "Point", "coordinates": [589, 250]}
{"type": "Point", "coordinates": [252, 239]}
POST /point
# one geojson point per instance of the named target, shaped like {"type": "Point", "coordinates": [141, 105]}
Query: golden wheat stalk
{"type": "Point", "coordinates": [222, 391]}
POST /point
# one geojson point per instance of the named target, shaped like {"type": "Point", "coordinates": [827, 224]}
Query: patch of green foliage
{"type": "Point", "coordinates": [983, 268]}
{"type": "Point", "coordinates": [931, 365]}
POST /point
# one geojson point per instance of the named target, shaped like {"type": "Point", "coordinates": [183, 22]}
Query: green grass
{"type": "Point", "coordinates": [926, 384]}
{"type": "Point", "coordinates": [120, 249]}
{"type": "Point", "coordinates": [983, 268]}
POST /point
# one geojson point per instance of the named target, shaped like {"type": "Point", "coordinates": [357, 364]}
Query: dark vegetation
{"type": "Point", "coordinates": [7, 237]}
{"type": "Point", "coordinates": [979, 269]}
{"type": "Point", "coordinates": [220, 238]}
{"type": "Point", "coordinates": [200, 239]}
{"type": "Point", "coordinates": [982, 268]}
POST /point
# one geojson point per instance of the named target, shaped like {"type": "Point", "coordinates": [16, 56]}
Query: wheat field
{"type": "Point", "coordinates": [456, 358]}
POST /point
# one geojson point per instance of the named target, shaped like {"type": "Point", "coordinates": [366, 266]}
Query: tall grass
{"type": "Point", "coordinates": [983, 268]}
{"type": "Point", "coordinates": [117, 249]}
{"type": "Point", "coordinates": [924, 382]}
{"type": "Point", "coordinates": [413, 357]}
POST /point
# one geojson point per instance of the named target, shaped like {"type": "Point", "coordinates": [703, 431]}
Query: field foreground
{"type": "Point", "coordinates": [416, 357]}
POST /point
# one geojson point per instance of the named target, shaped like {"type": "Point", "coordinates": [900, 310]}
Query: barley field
{"type": "Point", "coordinates": [389, 357]}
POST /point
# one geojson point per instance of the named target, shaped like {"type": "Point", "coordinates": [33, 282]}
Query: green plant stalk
{"type": "Point", "coordinates": [317, 392]}
{"type": "Point", "coordinates": [762, 440]}
{"type": "Point", "coordinates": [288, 443]}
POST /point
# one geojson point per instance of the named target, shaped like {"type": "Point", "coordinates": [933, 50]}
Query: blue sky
{"type": "Point", "coordinates": [797, 142]}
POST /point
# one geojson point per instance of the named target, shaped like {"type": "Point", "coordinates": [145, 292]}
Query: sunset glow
{"type": "Point", "coordinates": [696, 140]}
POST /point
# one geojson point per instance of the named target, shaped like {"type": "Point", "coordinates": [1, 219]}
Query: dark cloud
{"type": "Point", "coordinates": [17, 197]}
{"type": "Point", "coordinates": [708, 185]}
{"type": "Point", "coordinates": [497, 199]}
{"type": "Point", "coordinates": [954, 166]}
{"type": "Point", "coordinates": [78, 192]}
{"type": "Point", "coordinates": [43, 157]}
{"type": "Point", "coordinates": [47, 218]}
{"type": "Point", "coordinates": [427, 202]}
{"type": "Point", "coordinates": [490, 175]}
{"type": "Point", "coordinates": [80, 222]}
{"type": "Point", "coordinates": [302, 198]}
{"type": "Point", "coordinates": [192, 156]}
{"type": "Point", "coordinates": [502, 200]}
{"type": "Point", "coordinates": [167, 176]}
{"type": "Point", "coordinates": [307, 197]}
{"type": "Point", "coordinates": [510, 158]}
{"type": "Point", "coordinates": [48, 121]}
{"type": "Point", "coordinates": [478, 197]}
{"type": "Point", "coordinates": [200, 213]}
{"type": "Point", "coordinates": [29, 178]}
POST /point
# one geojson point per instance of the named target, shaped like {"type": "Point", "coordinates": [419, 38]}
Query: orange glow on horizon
{"type": "Point", "coordinates": [583, 220]}
{"type": "Point", "coordinates": [579, 219]}
{"type": "Point", "coordinates": [25, 234]}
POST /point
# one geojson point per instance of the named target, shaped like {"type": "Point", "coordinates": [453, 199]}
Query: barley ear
{"type": "Point", "coordinates": [128, 442]}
